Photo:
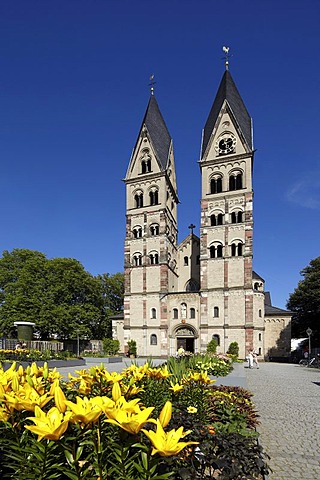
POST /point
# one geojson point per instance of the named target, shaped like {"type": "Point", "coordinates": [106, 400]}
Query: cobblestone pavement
{"type": "Point", "coordinates": [287, 398]}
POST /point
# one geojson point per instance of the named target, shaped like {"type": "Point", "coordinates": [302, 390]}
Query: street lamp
{"type": "Point", "coordinates": [309, 333]}
{"type": "Point", "coordinates": [78, 343]}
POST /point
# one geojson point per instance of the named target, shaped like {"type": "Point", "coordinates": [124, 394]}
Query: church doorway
{"type": "Point", "coordinates": [185, 338]}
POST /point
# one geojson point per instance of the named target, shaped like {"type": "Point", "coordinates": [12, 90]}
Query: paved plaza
{"type": "Point", "coordinates": [287, 398]}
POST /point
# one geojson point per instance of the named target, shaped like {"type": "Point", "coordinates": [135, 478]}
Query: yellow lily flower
{"type": "Point", "coordinates": [50, 425]}
{"type": "Point", "coordinates": [113, 377]}
{"type": "Point", "coordinates": [27, 398]}
{"type": "Point", "coordinates": [131, 422]}
{"type": "Point", "coordinates": [4, 415]}
{"type": "Point", "coordinates": [165, 414]}
{"type": "Point", "coordinates": [130, 390]}
{"type": "Point", "coordinates": [60, 399]}
{"type": "Point", "coordinates": [176, 388]}
{"type": "Point", "coordinates": [84, 411]}
{"type": "Point", "coordinates": [116, 391]}
{"type": "Point", "coordinates": [167, 443]}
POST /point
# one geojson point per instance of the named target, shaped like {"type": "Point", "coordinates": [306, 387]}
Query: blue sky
{"type": "Point", "coordinates": [74, 80]}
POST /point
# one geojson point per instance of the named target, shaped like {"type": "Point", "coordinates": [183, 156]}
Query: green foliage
{"type": "Point", "coordinates": [33, 355]}
{"type": "Point", "coordinates": [304, 302]}
{"type": "Point", "coordinates": [132, 347]}
{"type": "Point", "coordinates": [57, 294]}
{"type": "Point", "coordinates": [110, 346]}
{"type": "Point", "coordinates": [221, 419]}
{"type": "Point", "coordinates": [217, 366]}
{"type": "Point", "coordinates": [212, 346]}
{"type": "Point", "coordinates": [233, 349]}
{"type": "Point", "coordinates": [112, 288]}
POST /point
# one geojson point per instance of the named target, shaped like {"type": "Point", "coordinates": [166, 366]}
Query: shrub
{"type": "Point", "coordinates": [212, 346]}
{"type": "Point", "coordinates": [110, 346]}
{"type": "Point", "coordinates": [233, 349]}
{"type": "Point", "coordinates": [132, 346]}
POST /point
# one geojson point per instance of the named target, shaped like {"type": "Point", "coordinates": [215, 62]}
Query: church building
{"type": "Point", "coordinates": [204, 288]}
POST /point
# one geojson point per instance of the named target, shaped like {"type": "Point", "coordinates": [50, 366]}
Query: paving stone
{"type": "Point", "coordinates": [287, 398]}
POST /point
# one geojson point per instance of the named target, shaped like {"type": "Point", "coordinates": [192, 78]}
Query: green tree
{"type": "Point", "coordinates": [304, 302]}
{"type": "Point", "coordinates": [58, 295]}
{"type": "Point", "coordinates": [112, 291]}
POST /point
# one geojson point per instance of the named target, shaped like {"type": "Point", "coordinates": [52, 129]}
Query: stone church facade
{"type": "Point", "coordinates": [204, 287]}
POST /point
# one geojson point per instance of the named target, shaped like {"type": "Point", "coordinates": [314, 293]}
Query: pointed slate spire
{"type": "Point", "coordinates": [228, 91]}
{"type": "Point", "coordinates": [158, 132]}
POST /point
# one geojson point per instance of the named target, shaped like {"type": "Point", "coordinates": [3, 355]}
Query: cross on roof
{"type": "Point", "coordinates": [191, 226]}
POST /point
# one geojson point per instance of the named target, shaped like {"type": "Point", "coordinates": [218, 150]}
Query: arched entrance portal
{"type": "Point", "coordinates": [185, 338]}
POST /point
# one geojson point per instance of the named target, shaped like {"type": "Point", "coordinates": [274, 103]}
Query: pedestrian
{"type": "Point", "coordinates": [180, 350]}
{"type": "Point", "coordinates": [255, 359]}
{"type": "Point", "coordinates": [250, 359]}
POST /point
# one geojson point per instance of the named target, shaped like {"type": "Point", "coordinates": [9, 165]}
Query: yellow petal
{"type": "Point", "coordinates": [165, 414]}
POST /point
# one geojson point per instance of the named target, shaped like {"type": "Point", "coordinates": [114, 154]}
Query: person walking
{"type": "Point", "coordinates": [254, 359]}
{"type": "Point", "coordinates": [250, 359]}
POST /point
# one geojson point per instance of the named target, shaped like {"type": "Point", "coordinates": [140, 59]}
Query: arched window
{"type": "Point", "coordinates": [154, 229]}
{"type": "Point", "coordinates": [154, 258]}
{"type": "Point", "coordinates": [216, 312]}
{"type": "Point", "coordinates": [137, 232]}
{"type": "Point", "coordinates": [216, 219]}
{"type": "Point", "coordinates": [153, 339]}
{"type": "Point", "coordinates": [216, 251]}
{"type": "Point", "coordinates": [146, 165]}
{"type": "Point", "coordinates": [175, 312]}
{"type": "Point", "coordinates": [260, 312]}
{"type": "Point", "coordinates": [237, 249]}
{"type": "Point", "coordinates": [137, 259]}
{"type": "Point", "coordinates": [185, 261]}
{"type": "Point", "coordinates": [192, 313]}
{"type": "Point", "coordinates": [235, 181]}
{"type": "Point", "coordinates": [138, 198]}
{"type": "Point", "coordinates": [216, 185]}
{"type": "Point", "coordinates": [260, 337]}
{"type": "Point", "coordinates": [237, 217]}
{"type": "Point", "coordinates": [153, 313]}
{"type": "Point", "coordinates": [217, 338]}
{"type": "Point", "coordinates": [153, 194]}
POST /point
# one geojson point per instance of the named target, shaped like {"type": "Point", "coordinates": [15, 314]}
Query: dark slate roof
{"type": "Point", "coordinates": [228, 91]}
{"type": "Point", "coordinates": [256, 276]}
{"type": "Point", "coordinates": [269, 309]}
{"type": "Point", "coordinates": [267, 298]}
{"type": "Point", "coordinates": [159, 134]}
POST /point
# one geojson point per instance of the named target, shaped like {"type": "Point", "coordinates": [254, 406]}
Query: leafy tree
{"type": "Point", "coordinates": [112, 291]}
{"type": "Point", "coordinates": [304, 302]}
{"type": "Point", "coordinates": [58, 295]}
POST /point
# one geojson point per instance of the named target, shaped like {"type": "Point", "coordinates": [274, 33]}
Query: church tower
{"type": "Point", "coordinates": [228, 305]}
{"type": "Point", "coordinates": [204, 288]}
{"type": "Point", "coordinates": [151, 234]}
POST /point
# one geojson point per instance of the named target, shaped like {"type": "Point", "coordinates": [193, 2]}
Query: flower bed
{"type": "Point", "coordinates": [145, 423]}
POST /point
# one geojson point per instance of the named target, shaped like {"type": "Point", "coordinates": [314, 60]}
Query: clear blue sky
{"type": "Point", "coordinates": [73, 91]}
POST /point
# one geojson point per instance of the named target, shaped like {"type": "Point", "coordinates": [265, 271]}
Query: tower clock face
{"type": "Point", "coordinates": [226, 143]}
